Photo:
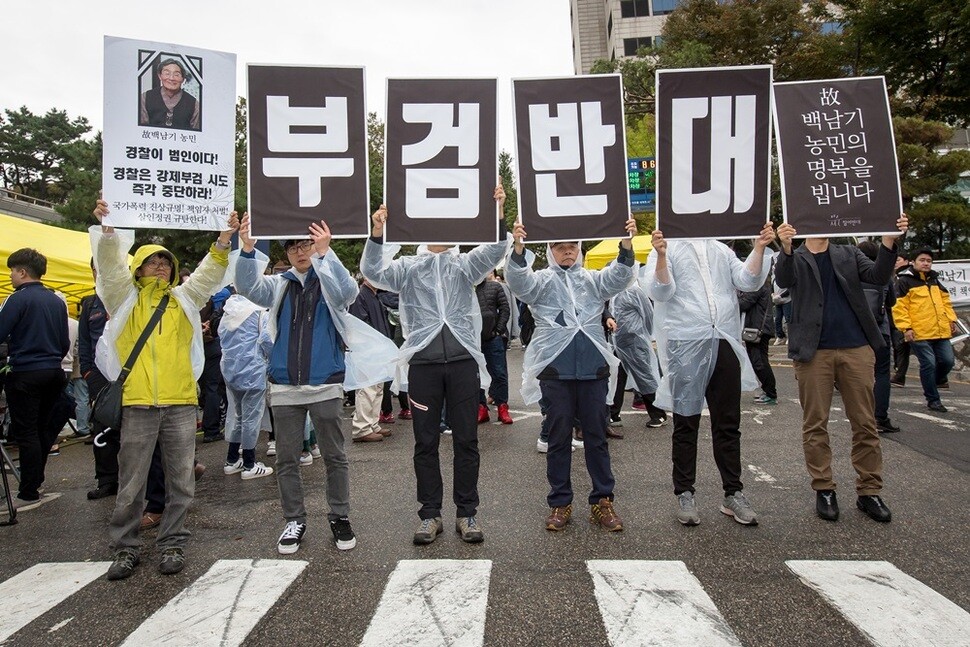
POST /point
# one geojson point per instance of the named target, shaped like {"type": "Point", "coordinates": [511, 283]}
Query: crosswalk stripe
{"type": "Point", "coordinates": [432, 602]}
{"type": "Point", "coordinates": [656, 603]}
{"type": "Point", "coordinates": [221, 607]}
{"type": "Point", "coordinates": [891, 608]}
{"type": "Point", "coordinates": [32, 593]}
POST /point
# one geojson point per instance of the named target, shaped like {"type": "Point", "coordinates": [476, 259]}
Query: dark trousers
{"type": "Point", "coordinates": [430, 387]}
{"type": "Point", "coordinates": [497, 365]}
{"type": "Point", "coordinates": [758, 354]}
{"type": "Point", "coordinates": [900, 357]}
{"type": "Point", "coordinates": [568, 400]}
{"type": "Point", "coordinates": [31, 396]}
{"type": "Point", "coordinates": [155, 486]}
{"type": "Point", "coordinates": [646, 398]}
{"type": "Point", "coordinates": [213, 390]}
{"type": "Point", "coordinates": [881, 388]}
{"type": "Point", "coordinates": [387, 400]}
{"type": "Point", "coordinates": [64, 409]}
{"type": "Point", "coordinates": [782, 316]}
{"type": "Point", "coordinates": [106, 457]}
{"type": "Point", "coordinates": [724, 402]}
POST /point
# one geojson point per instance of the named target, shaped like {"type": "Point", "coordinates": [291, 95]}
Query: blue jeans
{"type": "Point", "coordinates": [78, 389]}
{"type": "Point", "coordinates": [497, 365]}
{"type": "Point", "coordinates": [935, 363]}
{"type": "Point", "coordinates": [782, 313]}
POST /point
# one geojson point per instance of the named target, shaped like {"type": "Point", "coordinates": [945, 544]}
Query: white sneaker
{"type": "Point", "coordinates": [306, 458]}
{"type": "Point", "coordinates": [271, 448]}
{"type": "Point", "coordinates": [577, 444]}
{"type": "Point", "coordinates": [233, 468]}
{"type": "Point", "coordinates": [315, 451]}
{"type": "Point", "coordinates": [257, 471]}
{"type": "Point", "coordinates": [542, 446]}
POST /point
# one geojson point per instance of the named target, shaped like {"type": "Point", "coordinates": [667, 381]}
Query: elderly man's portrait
{"type": "Point", "coordinates": [166, 96]}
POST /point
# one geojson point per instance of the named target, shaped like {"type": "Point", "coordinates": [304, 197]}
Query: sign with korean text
{"type": "Point", "coordinates": [713, 151]}
{"type": "Point", "coordinates": [837, 157]}
{"type": "Point", "coordinates": [169, 135]}
{"type": "Point", "coordinates": [307, 151]}
{"type": "Point", "coordinates": [642, 172]}
{"type": "Point", "coordinates": [441, 161]}
{"type": "Point", "coordinates": [955, 277]}
{"type": "Point", "coordinates": [571, 156]}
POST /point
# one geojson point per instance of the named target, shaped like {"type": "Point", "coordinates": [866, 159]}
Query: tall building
{"type": "Point", "coordinates": [612, 29]}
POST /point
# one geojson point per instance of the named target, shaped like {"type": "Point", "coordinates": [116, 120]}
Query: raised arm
{"type": "Point", "coordinates": [477, 263]}
{"type": "Point", "coordinates": [207, 279]}
{"type": "Point", "coordinates": [110, 248]}
{"type": "Point", "coordinates": [338, 286]}
{"type": "Point", "coordinates": [250, 281]}
{"type": "Point", "coordinates": [518, 273]}
{"type": "Point", "coordinates": [785, 265]}
{"type": "Point", "coordinates": [385, 275]}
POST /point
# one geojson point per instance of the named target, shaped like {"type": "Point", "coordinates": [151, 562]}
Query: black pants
{"type": "Point", "coordinates": [155, 488]}
{"type": "Point", "coordinates": [387, 400]}
{"type": "Point", "coordinates": [646, 398]}
{"type": "Point", "coordinates": [213, 390]}
{"type": "Point", "coordinates": [31, 396]}
{"type": "Point", "coordinates": [430, 387]}
{"type": "Point", "coordinates": [106, 457]}
{"type": "Point", "coordinates": [758, 354]}
{"type": "Point", "coordinates": [724, 402]}
{"type": "Point", "coordinates": [900, 357]}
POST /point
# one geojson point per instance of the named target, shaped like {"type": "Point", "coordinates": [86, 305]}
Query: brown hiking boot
{"type": "Point", "coordinates": [559, 517]}
{"type": "Point", "coordinates": [602, 513]}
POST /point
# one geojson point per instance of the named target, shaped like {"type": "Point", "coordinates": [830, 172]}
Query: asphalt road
{"type": "Point", "coordinates": [538, 585]}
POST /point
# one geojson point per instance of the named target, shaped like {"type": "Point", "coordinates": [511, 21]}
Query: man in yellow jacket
{"type": "Point", "coordinates": [924, 315]}
{"type": "Point", "coordinates": [159, 400]}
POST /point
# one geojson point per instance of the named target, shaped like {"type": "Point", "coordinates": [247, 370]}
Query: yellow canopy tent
{"type": "Point", "coordinates": [68, 256]}
{"type": "Point", "coordinates": [605, 251]}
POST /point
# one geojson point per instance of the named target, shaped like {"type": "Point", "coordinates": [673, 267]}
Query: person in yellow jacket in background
{"type": "Point", "coordinates": [159, 400]}
{"type": "Point", "coordinates": [926, 318]}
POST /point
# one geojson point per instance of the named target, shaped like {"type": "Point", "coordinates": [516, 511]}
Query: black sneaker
{"type": "Point", "coordinates": [936, 406]}
{"type": "Point", "coordinates": [173, 559]}
{"type": "Point", "coordinates": [290, 540]}
{"type": "Point", "coordinates": [653, 423]}
{"type": "Point", "coordinates": [125, 561]}
{"type": "Point", "coordinates": [874, 507]}
{"type": "Point", "coordinates": [108, 489]}
{"type": "Point", "coordinates": [214, 438]}
{"type": "Point", "coordinates": [886, 426]}
{"type": "Point", "coordinates": [827, 505]}
{"type": "Point", "coordinates": [343, 535]}
{"type": "Point", "coordinates": [615, 421]}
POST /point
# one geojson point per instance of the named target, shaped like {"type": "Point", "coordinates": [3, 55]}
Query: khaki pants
{"type": "Point", "coordinates": [367, 409]}
{"type": "Point", "coordinates": [852, 369]}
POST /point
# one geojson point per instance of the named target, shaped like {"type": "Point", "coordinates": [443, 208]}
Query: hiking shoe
{"type": "Point", "coordinates": [559, 517]}
{"type": "Point", "coordinates": [886, 426]}
{"type": "Point", "coordinates": [470, 531]}
{"type": "Point", "coordinates": [615, 421]}
{"type": "Point", "coordinates": [125, 561]}
{"type": "Point", "coordinates": [602, 513]}
{"type": "Point", "coordinates": [173, 559]}
{"type": "Point", "coordinates": [404, 414]}
{"type": "Point", "coordinates": [290, 540]}
{"type": "Point", "coordinates": [343, 535]}
{"type": "Point", "coordinates": [764, 399]}
{"type": "Point", "coordinates": [653, 423]}
{"type": "Point", "coordinates": [271, 448]}
{"type": "Point", "coordinates": [827, 505]}
{"type": "Point", "coordinates": [874, 507]}
{"type": "Point", "coordinates": [482, 414]}
{"type": "Point", "coordinates": [258, 470]}
{"type": "Point", "coordinates": [387, 419]}
{"type": "Point", "coordinates": [735, 505]}
{"type": "Point", "coordinates": [503, 414]}
{"type": "Point", "coordinates": [542, 446]}
{"type": "Point", "coordinates": [687, 509]}
{"type": "Point", "coordinates": [936, 406]}
{"type": "Point", "coordinates": [428, 531]}
{"type": "Point", "coordinates": [306, 458]}
{"type": "Point", "coordinates": [233, 468]}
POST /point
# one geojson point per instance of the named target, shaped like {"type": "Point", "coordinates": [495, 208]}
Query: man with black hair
{"type": "Point", "coordinates": [34, 320]}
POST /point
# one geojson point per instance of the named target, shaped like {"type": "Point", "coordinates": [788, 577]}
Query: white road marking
{"type": "Point", "coordinates": [221, 607]}
{"type": "Point", "coordinates": [943, 422]}
{"type": "Point", "coordinates": [525, 415]}
{"type": "Point", "coordinates": [762, 476]}
{"type": "Point", "coordinates": [656, 603]}
{"type": "Point", "coordinates": [32, 593]}
{"type": "Point", "coordinates": [432, 602]}
{"type": "Point", "coordinates": [891, 608]}
{"type": "Point", "coordinates": [60, 625]}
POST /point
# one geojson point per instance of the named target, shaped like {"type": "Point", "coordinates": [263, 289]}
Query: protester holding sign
{"type": "Point", "coordinates": [159, 393]}
{"type": "Point", "coordinates": [445, 366]}
{"type": "Point", "coordinates": [831, 341]}
{"type": "Point", "coordinates": [695, 284]}
{"type": "Point", "coordinates": [569, 363]}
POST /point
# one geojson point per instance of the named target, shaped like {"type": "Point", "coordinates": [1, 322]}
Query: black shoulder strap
{"type": "Point", "coordinates": [149, 327]}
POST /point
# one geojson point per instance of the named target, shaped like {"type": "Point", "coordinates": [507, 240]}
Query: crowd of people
{"type": "Point", "coordinates": [282, 350]}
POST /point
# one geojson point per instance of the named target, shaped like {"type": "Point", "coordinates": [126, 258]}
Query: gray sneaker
{"type": "Point", "coordinates": [428, 531]}
{"type": "Point", "coordinates": [735, 505]}
{"type": "Point", "coordinates": [470, 531]}
{"type": "Point", "coordinates": [687, 509]}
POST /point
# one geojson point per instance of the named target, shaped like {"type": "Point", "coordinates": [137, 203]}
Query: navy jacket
{"type": "Point", "coordinates": [90, 328]}
{"type": "Point", "coordinates": [35, 321]}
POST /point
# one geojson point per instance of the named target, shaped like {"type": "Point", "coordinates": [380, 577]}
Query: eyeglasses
{"type": "Point", "coordinates": [303, 246]}
{"type": "Point", "coordinates": [156, 263]}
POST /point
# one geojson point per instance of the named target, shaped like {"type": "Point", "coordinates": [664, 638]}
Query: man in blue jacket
{"type": "Point", "coordinates": [34, 320]}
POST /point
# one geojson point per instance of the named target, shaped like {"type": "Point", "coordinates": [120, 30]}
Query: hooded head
{"type": "Point", "coordinates": [565, 254]}
{"type": "Point", "coordinates": [154, 261]}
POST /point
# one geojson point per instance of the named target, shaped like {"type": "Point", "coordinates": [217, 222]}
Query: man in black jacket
{"type": "Point", "coordinates": [495, 318]}
{"type": "Point", "coordinates": [34, 320]}
{"type": "Point", "coordinates": [831, 340]}
{"type": "Point", "coordinates": [367, 401]}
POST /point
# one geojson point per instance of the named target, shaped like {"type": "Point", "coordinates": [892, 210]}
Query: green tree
{"type": "Point", "coordinates": [82, 172]}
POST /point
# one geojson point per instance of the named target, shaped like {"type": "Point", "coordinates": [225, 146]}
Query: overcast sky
{"type": "Point", "coordinates": [53, 51]}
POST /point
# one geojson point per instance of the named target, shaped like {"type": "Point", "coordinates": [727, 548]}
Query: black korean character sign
{"type": "Point", "coordinates": [307, 151]}
{"type": "Point", "coordinates": [713, 151]}
{"type": "Point", "coordinates": [571, 155]}
{"type": "Point", "coordinates": [441, 161]}
{"type": "Point", "coordinates": [837, 156]}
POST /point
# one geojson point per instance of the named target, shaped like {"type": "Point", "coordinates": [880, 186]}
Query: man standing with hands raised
{"type": "Point", "coordinates": [831, 340]}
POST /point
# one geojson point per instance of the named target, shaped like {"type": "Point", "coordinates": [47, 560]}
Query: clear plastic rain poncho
{"type": "Point", "coordinates": [696, 309]}
{"type": "Point", "coordinates": [633, 313]}
{"type": "Point", "coordinates": [246, 344]}
{"type": "Point", "coordinates": [434, 289]}
{"type": "Point", "coordinates": [564, 303]}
